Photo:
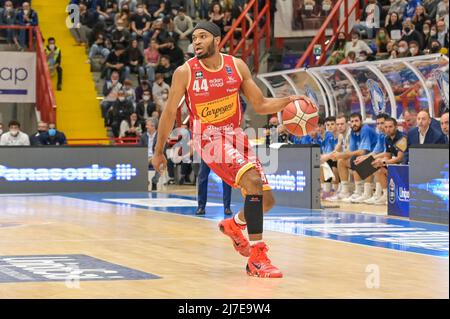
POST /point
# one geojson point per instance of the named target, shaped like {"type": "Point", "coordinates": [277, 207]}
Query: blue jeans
{"type": "Point", "coordinates": [203, 188]}
{"type": "Point", "coordinates": [98, 50]}
{"type": "Point", "coordinates": [369, 31]}
{"type": "Point", "coordinates": [145, 37]}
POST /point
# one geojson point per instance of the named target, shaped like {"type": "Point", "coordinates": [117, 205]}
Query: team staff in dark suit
{"type": "Point", "coordinates": [424, 132]}
{"type": "Point", "coordinates": [203, 191]}
{"type": "Point", "coordinates": [444, 126]}
{"type": "Point", "coordinates": [149, 139]}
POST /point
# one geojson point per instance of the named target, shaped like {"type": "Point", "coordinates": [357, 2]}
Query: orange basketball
{"type": "Point", "coordinates": [300, 117]}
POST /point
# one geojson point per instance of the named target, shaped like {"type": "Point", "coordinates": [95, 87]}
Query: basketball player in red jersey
{"type": "Point", "coordinates": [210, 83]}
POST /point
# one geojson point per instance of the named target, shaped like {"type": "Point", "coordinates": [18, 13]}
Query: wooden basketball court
{"type": "Point", "coordinates": [192, 259]}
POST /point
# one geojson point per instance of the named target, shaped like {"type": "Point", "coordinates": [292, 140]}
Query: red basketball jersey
{"type": "Point", "coordinates": [212, 96]}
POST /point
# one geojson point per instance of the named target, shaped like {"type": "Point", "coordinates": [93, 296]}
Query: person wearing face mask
{"type": "Point", "coordinates": [403, 49]}
{"type": "Point", "coordinates": [351, 58]}
{"type": "Point", "coordinates": [35, 139]}
{"type": "Point", "coordinates": [159, 86]}
{"type": "Point", "coordinates": [53, 137]}
{"type": "Point", "coordinates": [183, 27]}
{"type": "Point", "coordinates": [140, 25]}
{"type": "Point", "coordinates": [8, 17]}
{"type": "Point", "coordinates": [356, 45]}
{"type": "Point", "coordinates": [427, 38]}
{"type": "Point", "coordinates": [410, 34]}
{"type": "Point", "coordinates": [414, 48]}
{"type": "Point", "coordinates": [26, 17]}
{"type": "Point", "coordinates": [381, 40]}
{"type": "Point", "coordinates": [435, 47]}
{"type": "Point", "coordinates": [14, 137]}
{"type": "Point", "coordinates": [120, 34]}
{"type": "Point", "coordinates": [53, 54]}
{"type": "Point", "coordinates": [121, 110]}
{"type": "Point", "coordinates": [146, 106]}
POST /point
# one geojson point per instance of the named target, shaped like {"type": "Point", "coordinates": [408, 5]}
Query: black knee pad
{"type": "Point", "coordinates": [253, 212]}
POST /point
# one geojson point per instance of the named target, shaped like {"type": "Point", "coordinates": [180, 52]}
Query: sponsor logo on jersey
{"type": "Point", "coordinates": [218, 110]}
{"type": "Point", "coordinates": [229, 70]}
{"type": "Point", "coordinates": [198, 75]}
{"type": "Point", "coordinates": [216, 83]}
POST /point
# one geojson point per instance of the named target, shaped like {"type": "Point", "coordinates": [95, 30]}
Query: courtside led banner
{"type": "Point", "coordinates": [73, 169]}
{"type": "Point", "coordinates": [17, 77]}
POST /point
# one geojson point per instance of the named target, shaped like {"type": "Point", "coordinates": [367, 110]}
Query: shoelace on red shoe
{"type": "Point", "coordinates": [262, 256]}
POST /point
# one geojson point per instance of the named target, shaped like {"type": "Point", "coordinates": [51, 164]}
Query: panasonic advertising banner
{"type": "Point", "coordinates": [73, 169]}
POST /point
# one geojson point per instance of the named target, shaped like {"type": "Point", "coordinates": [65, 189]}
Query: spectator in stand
{"type": "Point", "coordinates": [42, 128]}
{"type": "Point", "coordinates": [117, 61]}
{"type": "Point", "coordinates": [183, 27]}
{"type": "Point", "coordinates": [426, 30]}
{"type": "Point", "coordinates": [14, 137]}
{"type": "Point", "coordinates": [382, 39]}
{"type": "Point", "coordinates": [151, 57]}
{"type": "Point", "coordinates": [338, 50]}
{"type": "Point", "coordinates": [140, 25]}
{"type": "Point", "coordinates": [414, 49]}
{"type": "Point", "coordinates": [53, 54]}
{"type": "Point", "coordinates": [160, 33]}
{"type": "Point", "coordinates": [111, 89]}
{"type": "Point", "coordinates": [174, 52]}
{"type": "Point", "coordinates": [124, 16]}
{"type": "Point", "coordinates": [357, 45]}
{"type": "Point", "coordinates": [135, 59]}
{"type": "Point", "coordinates": [431, 7]}
{"type": "Point", "coordinates": [370, 19]}
{"type": "Point", "coordinates": [166, 69]}
{"type": "Point", "coordinates": [131, 127]}
{"type": "Point", "coordinates": [121, 110]}
{"type": "Point", "coordinates": [399, 7]}
{"type": "Point", "coordinates": [88, 19]}
{"type": "Point", "coordinates": [146, 106]}
{"type": "Point", "coordinates": [419, 18]}
{"type": "Point", "coordinates": [165, 8]}
{"type": "Point", "coordinates": [216, 15]}
{"type": "Point", "coordinates": [410, 34]}
{"type": "Point", "coordinates": [444, 126]}
{"type": "Point", "coordinates": [107, 10]}
{"type": "Point", "coordinates": [130, 93]}
{"type": "Point", "coordinates": [143, 86]}
{"type": "Point", "coordinates": [1, 128]}
{"type": "Point", "coordinates": [394, 26]}
{"type": "Point", "coordinates": [436, 47]}
{"type": "Point", "coordinates": [159, 87]}
{"type": "Point", "coordinates": [403, 49]}
{"type": "Point", "coordinates": [26, 17]}
{"type": "Point", "coordinates": [8, 17]}
{"type": "Point", "coordinates": [442, 12]}
{"type": "Point", "coordinates": [53, 136]}
{"type": "Point", "coordinates": [120, 34]}
{"type": "Point", "coordinates": [98, 48]}
{"type": "Point", "coordinates": [350, 58]}
{"type": "Point", "coordinates": [442, 33]}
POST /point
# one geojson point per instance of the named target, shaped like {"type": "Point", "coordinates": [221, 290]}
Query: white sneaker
{"type": "Point", "coordinates": [382, 200]}
{"type": "Point", "coordinates": [351, 198]}
{"type": "Point", "coordinates": [372, 200]}
{"type": "Point", "coordinates": [361, 199]}
{"type": "Point", "coordinates": [333, 198]}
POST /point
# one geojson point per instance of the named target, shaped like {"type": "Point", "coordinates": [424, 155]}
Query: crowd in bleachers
{"type": "Point", "coordinates": [46, 135]}
{"type": "Point", "coordinates": [390, 29]}
{"type": "Point", "coordinates": [17, 13]}
{"type": "Point", "coordinates": [346, 142]}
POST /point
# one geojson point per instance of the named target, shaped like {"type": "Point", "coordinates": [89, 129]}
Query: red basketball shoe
{"type": "Point", "coordinates": [230, 228]}
{"type": "Point", "coordinates": [259, 264]}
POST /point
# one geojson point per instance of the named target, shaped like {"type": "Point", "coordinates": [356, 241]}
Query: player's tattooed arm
{"type": "Point", "coordinates": [168, 116]}
{"type": "Point", "coordinates": [252, 92]}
